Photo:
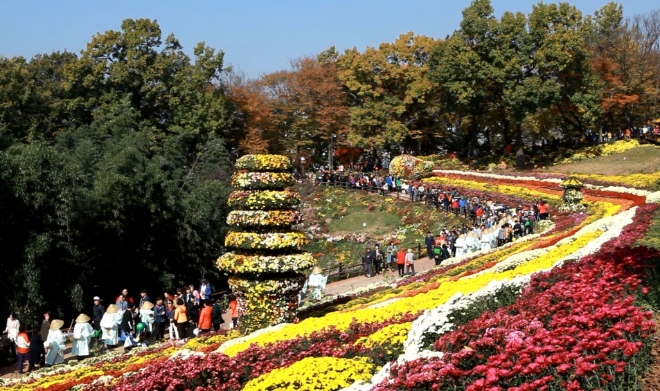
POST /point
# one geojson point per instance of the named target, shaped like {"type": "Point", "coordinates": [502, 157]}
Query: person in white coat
{"type": "Point", "coordinates": [316, 283]}
{"type": "Point", "coordinates": [55, 343]}
{"type": "Point", "coordinates": [147, 316]}
{"type": "Point", "coordinates": [110, 325]}
{"type": "Point", "coordinates": [82, 336]}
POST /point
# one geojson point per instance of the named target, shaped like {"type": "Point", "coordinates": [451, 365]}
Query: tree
{"type": "Point", "coordinates": [309, 106]}
{"type": "Point", "coordinates": [392, 101]}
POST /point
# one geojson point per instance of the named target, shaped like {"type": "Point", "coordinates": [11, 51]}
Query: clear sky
{"type": "Point", "coordinates": [257, 36]}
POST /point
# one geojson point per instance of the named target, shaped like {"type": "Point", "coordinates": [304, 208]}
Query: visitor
{"type": "Point", "coordinates": [12, 329]}
{"type": "Point", "coordinates": [410, 262]}
{"type": "Point", "coordinates": [205, 289]}
{"type": "Point", "coordinates": [55, 343]}
{"type": "Point", "coordinates": [97, 313]}
{"type": "Point", "coordinates": [37, 351]}
{"type": "Point", "coordinates": [401, 262]}
{"type": "Point", "coordinates": [171, 308]}
{"type": "Point", "coordinates": [181, 318]}
{"type": "Point", "coordinates": [144, 297]}
{"type": "Point", "coordinates": [316, 283]}
{"type": "Point", "coordinates": [205, 317]}
{"type": "Point", "coordinates": [391, 255]}
{"type": "Point", "coordinates": [147, 317]}
{"type": "Point", "coordinates": [233, 307]}
{"type": "Point", "coordinates": [430, 242]}
{"type": "Point", "coordinates": [82, 336]}
{"type": "Point", "coordinates": [110, 325]}
{"type": "Point", "coordinates": [368, 261]}
{"type": "Point", "coordinates": [378, 260]}
{"type": "Point", "coordinates": [22, 348]}
{"type": "Point", "coordinates": [217, 315]}
{"type": "Point", "coordinates": [127, 298]}
{"type": "Point", "coordinates": [45, 325]}
{"type": "Point", "coordinates": [122, 303]}
{"type": "Point", "coordinates": [160, 319]}
{"type": "Point", "coordinates": [194, 306]}
{"type": "Point", "coordinates": [127, 322]}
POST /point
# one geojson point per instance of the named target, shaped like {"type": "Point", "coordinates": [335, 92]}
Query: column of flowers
{"type": "Point", "coordinates": [265, 265]}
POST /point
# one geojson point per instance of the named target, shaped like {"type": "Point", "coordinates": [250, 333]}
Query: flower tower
{"type": "Point", "coordinates": [572, 195]}
{"type": "Point", "coordinates": [265, 265]}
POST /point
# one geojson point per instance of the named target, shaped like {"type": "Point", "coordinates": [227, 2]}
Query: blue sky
{"type": "Point", "coordinates": [257, 36]}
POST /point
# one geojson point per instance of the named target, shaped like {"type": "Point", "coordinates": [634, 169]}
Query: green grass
{"type": "Point", "coordinates": [377, 223]}
{"type": "Point", "coordinates": [642, 160]}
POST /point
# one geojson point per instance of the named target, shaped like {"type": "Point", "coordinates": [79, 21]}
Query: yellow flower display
{"type": "Point", "coordinates": [263, 163]}
{"type": "Point", "coordinates": [420, 302]}
{"type": "Point", "coordinates": [266, 266]}
{"type": "Point", "coordinates": [262, 180]}
{"type": "Point", "coordinates": [265, 241]}
{"type": "Point", "coordinates": [394, 334]}
{"type": "Point", "coordinates": [314, 373]}
{"type": "Point", "coordinates": [263, 200]}
{"type": "Point", "coordinates": [261, 218]}
{"type": "Point", "coordinates": [236, 263]}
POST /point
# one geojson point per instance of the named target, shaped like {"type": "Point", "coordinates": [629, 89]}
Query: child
{"type": "Point", "coordinates": [233, 306]}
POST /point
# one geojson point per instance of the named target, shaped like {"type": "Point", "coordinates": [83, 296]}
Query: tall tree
{"type": "Point", "coordinates": [392, 101]}
{"type": "Point", "coordinates": [309, 106]}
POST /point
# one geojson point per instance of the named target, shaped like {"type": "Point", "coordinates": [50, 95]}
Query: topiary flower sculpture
{"type": "Point", "coordinates": [266, 264]}
{"type": "Point", "coordinates": [410, 167]}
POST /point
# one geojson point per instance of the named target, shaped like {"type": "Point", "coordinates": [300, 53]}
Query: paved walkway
{"type": "Point", "coordinates": [348, 285]}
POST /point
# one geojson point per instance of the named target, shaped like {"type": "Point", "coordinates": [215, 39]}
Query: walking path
{"type": "Point", "coordinates": [344, 286]}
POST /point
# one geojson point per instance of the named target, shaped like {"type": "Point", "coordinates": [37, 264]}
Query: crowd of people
{"type": "Point", "coordinates": [494, 225]}
{"type": "Point", "coordinates": [178, 316]}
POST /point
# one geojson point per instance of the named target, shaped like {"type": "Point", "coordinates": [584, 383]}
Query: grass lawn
{"type": "Point", "coordinates": [377, 223]}
{"type": "Point", "coordinates": [645, 159]}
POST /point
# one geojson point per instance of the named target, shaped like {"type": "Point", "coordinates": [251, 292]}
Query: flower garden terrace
{"type": "Point", "coordinates": [565, 309]}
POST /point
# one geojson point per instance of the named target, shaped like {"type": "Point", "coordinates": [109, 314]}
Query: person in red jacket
{"type": "Point", "coordinates": [205, 317]}
{"type": "Point", "coordinates": [22, 348]}
{"type": "Point", "coordinates": [400, 261]}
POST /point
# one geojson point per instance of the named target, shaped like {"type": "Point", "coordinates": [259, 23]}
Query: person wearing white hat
{"type": "Point", "coordinates": [97, 313]}
{"type": "Point", "coordinates": [110, 325]}
{"type": "Point", "coordinates": [82, 335]}
{"type": "Point", "coordinates": [55, 343]}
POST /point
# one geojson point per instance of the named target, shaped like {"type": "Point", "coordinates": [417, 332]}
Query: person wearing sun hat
{"type": "Point", "coordinates": [316, 283]}
{"type": "Point", "coordinates": [110, 325]}
{"type": "Point", "coordinates": [82, 335]}
{"type": "Point", "coordinates": [55, 343]}
{"type": "Point", "coordinates": [147, 316]}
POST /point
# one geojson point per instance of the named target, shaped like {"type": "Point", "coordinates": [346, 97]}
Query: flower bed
{"type": "Point", "coordinates": [588, 335]}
